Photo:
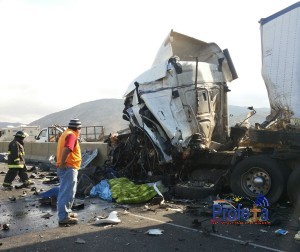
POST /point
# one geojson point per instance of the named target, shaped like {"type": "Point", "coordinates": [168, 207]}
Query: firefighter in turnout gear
{"type": "Point", "coordinates": [16, 162]}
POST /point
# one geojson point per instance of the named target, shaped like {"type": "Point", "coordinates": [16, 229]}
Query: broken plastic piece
{"type": "Point", "coordinates": [297, 236]}
{"type": "Point", "coordinates": [155, 231]}
{"type": "Point", "coordinates": [80, 241]}
{"type": "Point", "coordinates": [281, 232]}
{"type": "Point", "coordinates": [112, 219]}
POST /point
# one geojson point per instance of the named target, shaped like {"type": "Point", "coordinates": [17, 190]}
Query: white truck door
{"type": "Point", "coordinates": [42, 136]}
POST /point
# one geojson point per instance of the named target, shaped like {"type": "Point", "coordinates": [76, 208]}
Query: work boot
{"type": "Point", "coordinates": [73, 215]}
{"type": "Point", "coordinates": [27, 183]}
{"type": "Point", "coordinates": [7, 186]}
{"type": "Point", "coordinates": [69, 221]}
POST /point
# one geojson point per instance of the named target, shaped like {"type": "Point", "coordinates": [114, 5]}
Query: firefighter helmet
{"type": "Point", "coordinates": [20, 134]}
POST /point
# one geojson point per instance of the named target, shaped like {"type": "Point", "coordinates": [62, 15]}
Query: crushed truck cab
{"type": "Point", "coordinates": [178, 119]}
{"type": "Point", "coordinates": [182, 100]}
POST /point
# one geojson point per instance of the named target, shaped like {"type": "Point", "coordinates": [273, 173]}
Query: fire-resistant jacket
{"type": "Point", "coordinates": [16, 155]}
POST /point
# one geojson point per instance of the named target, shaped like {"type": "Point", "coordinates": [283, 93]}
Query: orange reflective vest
{"type": "Point", "coordinates": [74, 158]}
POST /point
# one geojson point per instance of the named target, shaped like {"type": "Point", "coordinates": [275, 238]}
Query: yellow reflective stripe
{"type": "Point", "coordinates": [16, 166]}
{"type": "Point", "coordinates": [17, 159]}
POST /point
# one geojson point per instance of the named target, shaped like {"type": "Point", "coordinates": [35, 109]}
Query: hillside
{"type": "Point", "coordinates": [238, 114]}
{"type": "Point", "coordinates": [6, 124]}
{"type": "Point", "coordinates": [103, 112]}
{"type": "Point", "coordinates": [108, 113]}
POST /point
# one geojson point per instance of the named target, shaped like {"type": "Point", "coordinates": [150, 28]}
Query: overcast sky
{"type": "Point", "coordinates": [56, 54]}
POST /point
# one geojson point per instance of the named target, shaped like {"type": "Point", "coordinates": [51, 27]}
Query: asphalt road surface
{"type": "Point", "coordinates": [184, 225]}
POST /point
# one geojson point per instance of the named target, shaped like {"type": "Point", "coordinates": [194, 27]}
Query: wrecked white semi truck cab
{"type": "Point", "coordinates": [177, 113]}
{"type": "Point", "coordinates": [182, 100]}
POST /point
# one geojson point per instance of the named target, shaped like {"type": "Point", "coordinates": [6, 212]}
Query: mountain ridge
{"type": "Point", "coordinates": [108, 113]}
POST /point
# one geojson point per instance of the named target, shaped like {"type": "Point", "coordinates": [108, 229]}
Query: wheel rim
{"type": "Point", "coordinates": [256, 181]}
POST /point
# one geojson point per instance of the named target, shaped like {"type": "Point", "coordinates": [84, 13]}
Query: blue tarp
{"type": "Point", "coordinates": [102, 190]}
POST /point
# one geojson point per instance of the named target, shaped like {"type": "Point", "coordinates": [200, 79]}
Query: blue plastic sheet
{"type": "Point", "coordinates": [102, 190]}
{"type": "Point", "coordinates": [50, 193]}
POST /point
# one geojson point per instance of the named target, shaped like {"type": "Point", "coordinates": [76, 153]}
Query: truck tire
{"type": "Point", "coordinates": [293, 187]}
{"type": "Point", "coordinates": [186, 191]}
{"type": "Point", "coordinates": [259, 175]}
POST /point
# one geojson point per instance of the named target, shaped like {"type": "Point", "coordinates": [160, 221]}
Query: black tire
{"type": "Point", "coordinates": [293, 187]}
{"type": "Point", "coordinates": [267, 170]}
{"type": "Point", "coordinates": [186, 191]}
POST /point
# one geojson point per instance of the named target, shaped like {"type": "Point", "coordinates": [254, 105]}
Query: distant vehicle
{"type": "Point", "coordinates": [7, 133]}
{"type": "Point", "coordinates": [88, 134]}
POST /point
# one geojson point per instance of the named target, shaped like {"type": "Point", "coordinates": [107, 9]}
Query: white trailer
{"type": "Point", "coordinates": [280, 39]}
{"type": "Point", "coordinates": [7, 133]}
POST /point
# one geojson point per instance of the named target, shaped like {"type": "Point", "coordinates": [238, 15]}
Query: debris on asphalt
{"type": "Point", "coordinates": [244, 243]}
{"type": "Point", "coordinates": [78, 205]}
{"type": "Point", "coordinates": [112, 219]}
{"type": "Point", "coordinates": [47, 215]}
{"type": "Point", "coordinates": [24, 194]}
{"type": "Point", "coordinates": [157, 200]}
{"type": "Point", "coordinates": [80, 241]}
{"type": "Point", "coordinates": [281, 231]}
{"type": "Point", "coordinates": [155, 231]}
{"type": "Point", "coordinates": [5, 227]}
{"type": "Point", "coordinates": [178, 210]}
{"type": "Point", "coordinates": [147, 208]}
{"type": "Point", "coordinates": [297, 237]}
{"type": "Point", "coordinates": [263, 230]}
{"type": "Point", "coordinates": [125, 207]}
{"type": "Point", "coordinates": [12, 198]}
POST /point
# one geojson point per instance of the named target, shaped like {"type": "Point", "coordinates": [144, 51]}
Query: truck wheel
{"type": "Point", "coordinates": [186, 191]}
{"type": "Point", "coordinates": [293, 187]}
{"type": "Point", "coordinates": [258, 175]}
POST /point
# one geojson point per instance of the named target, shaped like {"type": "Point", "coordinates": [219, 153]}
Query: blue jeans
{"type": "Point", "coordinates": [67, 191]}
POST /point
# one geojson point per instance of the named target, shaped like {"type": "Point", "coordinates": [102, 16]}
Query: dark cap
{"type": "Point", "coordinates": [75, 123]}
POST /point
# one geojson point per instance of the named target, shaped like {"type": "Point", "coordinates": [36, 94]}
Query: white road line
{"type": "Point", "coordinates": [212, 234]}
